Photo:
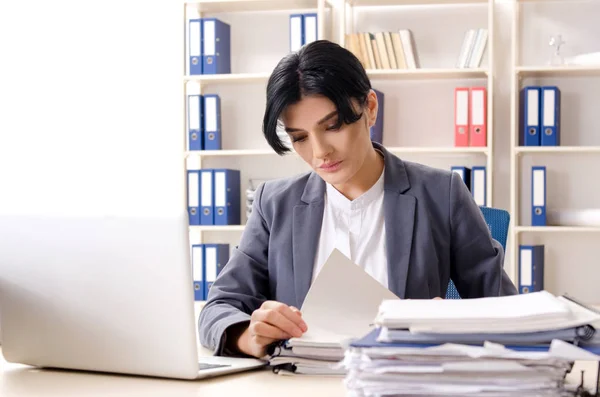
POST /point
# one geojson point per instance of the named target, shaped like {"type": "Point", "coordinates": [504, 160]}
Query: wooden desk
{"type": "Point", "coordinates": [22, 381]}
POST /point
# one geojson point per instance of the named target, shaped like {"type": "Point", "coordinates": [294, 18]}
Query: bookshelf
{"type": "Point", "coordinates": [569, 248]}
{"type": "Point", "coordinates": [412, 133]}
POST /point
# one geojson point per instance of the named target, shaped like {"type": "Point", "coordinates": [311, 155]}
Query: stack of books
{"type": "Point", "coordinates": [500, 346]}
{"type": "Point", "coordinates": [384, 50]}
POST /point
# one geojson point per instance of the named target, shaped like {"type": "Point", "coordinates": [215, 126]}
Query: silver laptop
{"type": "Point", "coordinates": [102, 293]}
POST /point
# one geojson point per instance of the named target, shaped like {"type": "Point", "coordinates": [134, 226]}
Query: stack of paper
{"type": "Point", "coordinates": [501, 346]}
{"type": "Point", "coordinates": [458, 370]}
{"type": "Point", "coordinates": [538, 311]}
{"type": "Point", "coordinates": [336, 310]}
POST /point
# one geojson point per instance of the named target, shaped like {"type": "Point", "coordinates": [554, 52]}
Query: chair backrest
{"type": "Point", "coordinates": [498, 221]}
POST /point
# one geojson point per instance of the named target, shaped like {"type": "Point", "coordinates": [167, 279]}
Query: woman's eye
{"type": "Point", "coordinates": [333, 127]}
{"type": "Point", "coordinates": [299, 139]}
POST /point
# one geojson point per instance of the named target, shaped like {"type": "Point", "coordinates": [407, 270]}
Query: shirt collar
{"type": "Point", "coordinates": [341, 202]}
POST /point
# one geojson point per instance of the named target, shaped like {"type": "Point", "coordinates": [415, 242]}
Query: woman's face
{"type": "Point", "coordinates": [336, 154]}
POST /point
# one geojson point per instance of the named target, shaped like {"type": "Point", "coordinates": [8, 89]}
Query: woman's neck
{"type": "Point", "coordinates": [365, 178]}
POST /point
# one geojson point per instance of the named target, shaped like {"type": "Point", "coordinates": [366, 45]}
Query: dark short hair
{"type": "Point", "coordinates": [319, 68]}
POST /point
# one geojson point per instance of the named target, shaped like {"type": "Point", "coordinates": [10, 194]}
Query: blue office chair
{"type": "Point", "coordinates": [498, 221]}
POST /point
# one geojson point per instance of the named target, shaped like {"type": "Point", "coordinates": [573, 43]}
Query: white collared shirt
{"type": "Point", "coordinates": [357, 229]}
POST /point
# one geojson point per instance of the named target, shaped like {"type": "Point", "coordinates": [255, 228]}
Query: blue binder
{"type": "Point", "coordinates": [418, 341]}
{"type": "Point", "coordinates": [216, 47]}
{"type": "Point", "coordinates": [550, 135]}
{"type": "Point", "coordinates": [465, 174]}
{"type": "Point", "coordinates": [227, 197]}
{"type": "Point", "coordinates": [538, 196]}
{"type": "Point", "coordinates": [296, 32]}
{"type": "Point", "coordinates": [195, 45]}
{"type": "Point", "coordinates": [212, 122]}
{"type": "Point", "coordinates": [198, 272]}
{"type": "Point", "coordinates": [195, 138]}
{"type": "Point", "coordinates": [531, 268]}
{"type": "Point", "coordinates": [193, 197]}
{"type": "Point", "coordinates": [479, 185]}
{"type": "Point", "coordinates": [206, 197]}
{"type": "Point", "coordinates": [530, 115]}
{"type": "Point", "coordinates": [311, 28]}
{"type": "Point", "coordinates": [376, 131]}
{"type": "Point", "coordinates": [216, 257]}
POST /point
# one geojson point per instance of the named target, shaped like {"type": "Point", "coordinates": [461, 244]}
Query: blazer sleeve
{"type": "Point", "coordinates": [242, 285]}
{"type": "Point", "coordinates": [477, 260]}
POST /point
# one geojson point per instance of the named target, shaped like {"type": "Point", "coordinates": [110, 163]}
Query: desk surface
{"type": "Point", "coordinates": [24, 381]}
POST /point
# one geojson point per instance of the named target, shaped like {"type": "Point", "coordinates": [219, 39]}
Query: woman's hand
{"type": "Point", "coordinates": [273, 321]}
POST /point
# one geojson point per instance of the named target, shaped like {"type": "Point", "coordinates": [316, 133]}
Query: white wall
{"type": "Point", "coordinates": [87, 87]}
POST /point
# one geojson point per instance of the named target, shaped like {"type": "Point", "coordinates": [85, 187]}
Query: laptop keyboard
{"type": "Point", "coordinates": [205, 366]}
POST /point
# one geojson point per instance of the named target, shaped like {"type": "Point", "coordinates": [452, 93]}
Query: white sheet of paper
{"type": "Point", "coordinates": [342, 302]}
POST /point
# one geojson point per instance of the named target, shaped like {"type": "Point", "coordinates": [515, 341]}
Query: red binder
{"type": "Point", "coordinates": [461, 116]}
{"type": "Point", "coordinates": [478, 100]}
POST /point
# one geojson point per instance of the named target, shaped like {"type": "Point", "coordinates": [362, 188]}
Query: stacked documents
{"type": "Point", "coordinates": [502, 346]}
{"type": "Point", "coordinates": [534, 312]}
{"type": "Point", "coordinates": [336, 311]}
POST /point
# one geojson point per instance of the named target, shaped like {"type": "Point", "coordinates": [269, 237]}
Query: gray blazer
{"type": "Point", "coordinates": [434, 231]}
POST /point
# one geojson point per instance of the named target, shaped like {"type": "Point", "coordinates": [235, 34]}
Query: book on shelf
{"type": "Point", "coordinates": [384, 50]}
{"type": "Point", "coordinates": [473, 48]}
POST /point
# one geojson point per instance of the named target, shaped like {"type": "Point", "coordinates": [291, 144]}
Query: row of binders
{"type": "Point", "coordinates": [304, 29]}
{"type": "Point", "coordinates": [384, 50]}
{"type": "Point", "coordinates": [204, 122]}
{"type": "Point", "coordinates": [209, 46]}
{"type": "Point", "coordinates": [213, 197]}
{"type": "Point", "coordinates": [207, 262]}
{"type": "Point", "coordinates": [209, 42]}
{"type": "Point", "coordinates": [476, 180]}
{"type": "Point", "coordinates": [540, 116]}
{"type": "Point", "coordinates": [470, 116]}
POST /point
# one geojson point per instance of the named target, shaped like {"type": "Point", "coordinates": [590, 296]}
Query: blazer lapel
{"type": "Point", "coordinates": [306, 230]}
{"type": "Point", "coordinates": [399, 213]}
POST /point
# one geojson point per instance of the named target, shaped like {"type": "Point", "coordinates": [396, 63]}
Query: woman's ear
{"type": "Point", "coordinates": [372, 108]}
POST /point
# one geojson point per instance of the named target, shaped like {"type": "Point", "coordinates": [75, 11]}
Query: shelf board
{"type": "Point", "coordinates": [438, 150]}
{"type": "Point", "coordinates": [427, 73]}
{"type": "Point", "coordinates": [395, 150]}
{"type": "Point", "coordinates": [225, 153]}
{"type": "Point", "coordinates": [557, 229]}
{"type": "Point", "coordinates": [371, 3]}
{"type": "Point", "coordinates": [557, 149]}
{"type": "Point", "coordinates": [226, 228]}
{"type": "Point", "coordinates": [555, 71]}
{"type": "Point", "coordinates": [218, 6]}
{"type": "Point", "coordinates": [228, 78]}
{"type": "Point", "coordinates": [374, 74]}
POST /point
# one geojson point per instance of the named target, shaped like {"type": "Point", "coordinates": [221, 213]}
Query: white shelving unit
{"type": "Point", "coordinates": [563, 76]}
{"type": "Point", "coordinates": [332, 19]}
{"type": "Point", "coordinates": [439, 26]}
{"type": "Point", "coordinates": [350, 23]}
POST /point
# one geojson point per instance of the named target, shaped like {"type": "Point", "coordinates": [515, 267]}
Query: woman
{"type": "Point", "coordinates": [409, 226]}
